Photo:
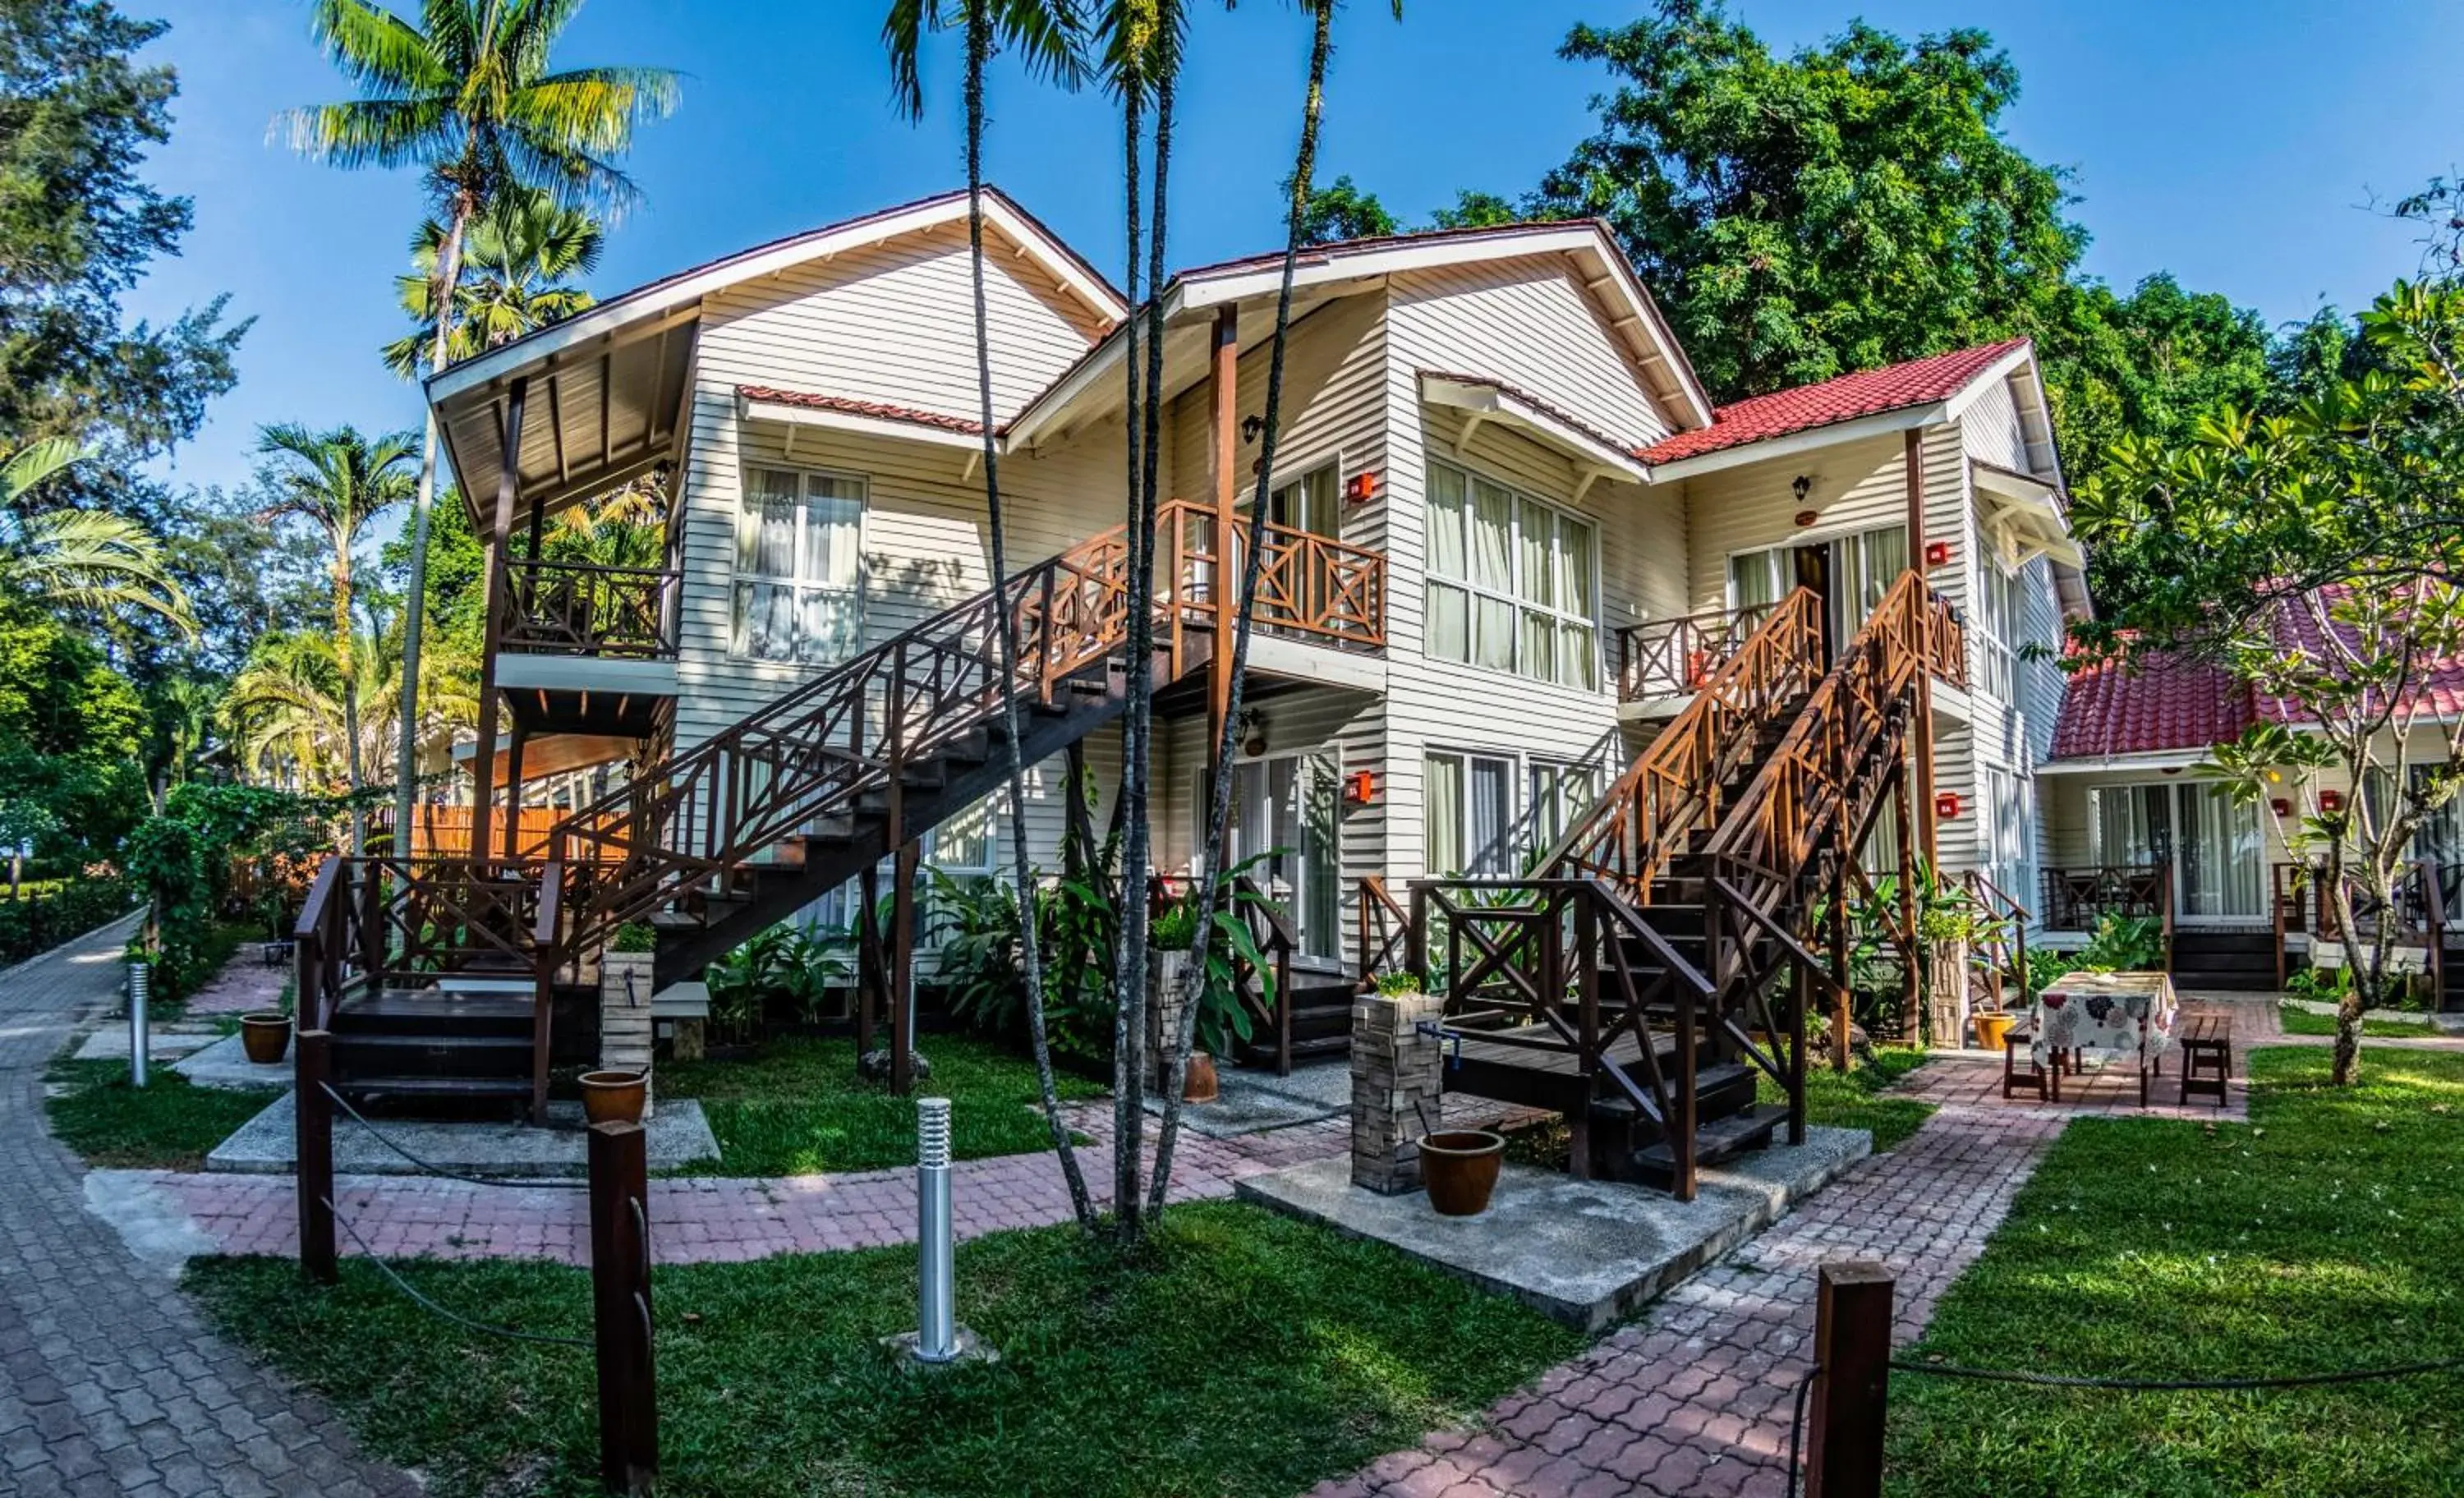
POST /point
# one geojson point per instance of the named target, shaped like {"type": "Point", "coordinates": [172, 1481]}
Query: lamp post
{"type": "Point", "coordinates": [140, 985]}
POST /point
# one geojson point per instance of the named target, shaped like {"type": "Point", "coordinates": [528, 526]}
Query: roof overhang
{"type": "Point", "coordinates": [606, 393]}
{"type": "Point", "coordinates": [802, 414]}
{"type": "Point", "coordinates": [1594, 454]}
{"type": "Point", "coordinates": [1856, 428]}
{"type": "Point", "coordinates": [2022, 517]}
{"type": "Point", "coordinates": [2170, 761]}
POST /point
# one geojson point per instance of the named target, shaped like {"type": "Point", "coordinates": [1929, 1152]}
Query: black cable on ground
{"type": "Point", "coordinates": [439, 1170]}
{"type": "Point", "coordinates": [435, 1309]}
{"type": "Point", "coordinates": [2174, 1385]}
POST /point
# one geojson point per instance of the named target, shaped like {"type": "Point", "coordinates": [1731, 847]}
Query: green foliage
{"type": "Point", "coordinates": [1856, 1099]}
{"type": "Point", "coordinates": [982, 976]}
{"type": "Point", "coordinates": [635, 937]}
{"type": "Point", "coordinates": [795, 1107]}
{"type": "Point", "coordinates": [1802, 216]}
{"type": "Point", "coordinates": [1394, 985]}
{"type": "Point", "coordinates": [2326, 984]}
{"type": "Point", "coordinates": [67, 724]}
{"type": "Point", "coordinates": [791, 965]}
{"type": "Point", "coordinates": [2123, 944]}
{"type": "Point", "coordinates": [1241, 1353]}
{"type": "Point", "coordinates": [1340, 211]}
{"type": "Point", "coordinates": [2047, 966]}
{"type": "Point", "coordinates": [2320, 1237]}
{"type": "Point", "coordinates": [72, 908]}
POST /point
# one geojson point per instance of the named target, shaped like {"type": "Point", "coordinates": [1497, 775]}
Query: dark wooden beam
{"type": "Point", "coordinates": [1928, 826]}
{"type": "Point", "coordinates": [1224, 395]}
{"type": "Point", "coordinates": [492, 600]}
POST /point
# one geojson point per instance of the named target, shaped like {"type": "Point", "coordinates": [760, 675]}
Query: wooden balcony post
{"type": "Point", "coordinates": [1928, 828]}
{"type": "Point", "coordinates": [495, 588]}
{"type": "Point", "coordinates": [312, 1119]}
{"type": "Point", "coordinates": [902, 971]}
{"type": "Point", "coordinates": [1852, 1356]}
{"type": "Point", "coordinates": [620, 1294]}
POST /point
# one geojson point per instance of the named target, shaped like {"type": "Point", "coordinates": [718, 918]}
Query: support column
{"type": "Point", "coordinates": [1395, 1089]}
{"type": "Point", "coordinates": [1911, 986]}
{"type": "Point", "coordinates": [1842, 1016]}
{"type": "Point", "coordinates": [515, 737]}
{"type": "Point", "coordinates": [492, 602]}
{"type": "Point", "coordinates": [1927, 824]}
{"type": "Point", "coordinates": [902, 971]}
{"type": "Point", "coordinates": [1224, 394]}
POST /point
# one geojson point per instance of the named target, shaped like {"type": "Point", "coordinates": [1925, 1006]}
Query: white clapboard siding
{"type": "Point", "coordinates": [1532, 323]}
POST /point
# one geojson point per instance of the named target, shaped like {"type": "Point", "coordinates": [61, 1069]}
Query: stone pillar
{"type": "Point", "coordinates": [1947, 1001]}
{"type": "Point", "coordinates": [1396, 1085]}
{"type": "Point", "coordinates": [624, 1015]}
{"type": "Point", "coordinates": [1166, 973]}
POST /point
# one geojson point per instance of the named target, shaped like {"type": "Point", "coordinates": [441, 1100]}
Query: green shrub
{"type": "Point", "coordinates": [636, 937]}
{"type": "Point", "coordinates": [30, 927]}
{"type": "Point", "coordinates": [2124, 944]}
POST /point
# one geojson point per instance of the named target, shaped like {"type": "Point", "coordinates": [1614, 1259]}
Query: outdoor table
{"type": "Point", "coordinates": [2125, 1016]}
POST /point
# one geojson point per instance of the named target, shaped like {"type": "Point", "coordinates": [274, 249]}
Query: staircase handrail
{"type": "Point", "coordinates": [1374, 905]}
{"type": "Point", "coordinates": [1672, 787]}
{"type": "Point", "coordinates": [2013, 917]}
{"type": "Point", "coordinates": [853, 727]}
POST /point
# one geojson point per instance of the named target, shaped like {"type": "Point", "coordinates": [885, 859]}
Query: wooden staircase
{"type": "Point", "coordinates": [1631, 983]}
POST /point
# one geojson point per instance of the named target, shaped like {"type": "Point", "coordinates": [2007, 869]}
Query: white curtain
{"type": "Point", "coordinates": [1441, 791]}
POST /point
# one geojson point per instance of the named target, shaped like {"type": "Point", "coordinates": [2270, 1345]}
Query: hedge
{"type": "Point", "coordinates": [30, 927]}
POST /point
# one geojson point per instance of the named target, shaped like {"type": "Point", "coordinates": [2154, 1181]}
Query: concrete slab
{"type": "Point", "coordinates": [225, 1063]}
{"type": "Point", "coordinates": [1256, 1102]}
{"type": "Point", "coordinates": [161, 1044]}
{"type": "Point", "coordinates": [1583, 1253]}
{"type": "Point", "coordinates": [678, 1133]}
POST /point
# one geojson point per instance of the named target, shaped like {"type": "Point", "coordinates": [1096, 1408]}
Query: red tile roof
{"type": "Point", "coordinates": [880, 410]}
{"type": "Point", "coordinates": [2161, 702]}
{"type": "Point", "coordinates": [1869, 392]}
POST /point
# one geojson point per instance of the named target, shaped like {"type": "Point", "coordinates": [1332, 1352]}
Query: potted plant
{"type": "Point", "coordinates": [1171, 938]}
{"type": "Point", "coordinates": [265, 1035]}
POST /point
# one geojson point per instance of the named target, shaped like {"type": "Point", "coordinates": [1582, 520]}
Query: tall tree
{"type": "Point", "coordinates": [339, 481]}
{"type": "Point", "coordinates": [82, 560]}
{"type": "Point", "coordinates": [1341, 210]}
{"type": "Point", "coordinates": [1046, 33]}
{"type": "Point", "coordinates": [1847, 205]}
{"type": "Point", "coordinates": [1219, 811]}
{"type": "Point", "coordinates": [520, 254]}
{"type": "Point", "coordinates": [468, 97]}
{"type": "Point", "coordinates": [79, 226]}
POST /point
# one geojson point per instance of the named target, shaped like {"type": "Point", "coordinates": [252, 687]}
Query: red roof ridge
{"type": "Point", "coordinates": [1865, 392]}
{"type": "Point", "coordinates": [881, 411]}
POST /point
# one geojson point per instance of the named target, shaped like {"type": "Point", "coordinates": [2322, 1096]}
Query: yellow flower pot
{"type": "Point", "coordinates": [1994, 1028]}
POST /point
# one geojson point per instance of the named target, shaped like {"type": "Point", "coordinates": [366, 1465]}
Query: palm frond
{"type": "Point", "coordinates": [370, 132]}
{"type": "Point", "coordinates": [91, 559]}
{"type": "Point", "coordinates": [377, 49]}
{"type": "Point", "coordinates": [37, 462]}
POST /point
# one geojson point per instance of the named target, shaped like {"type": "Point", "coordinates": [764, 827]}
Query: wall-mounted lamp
{"type": "Point", "coordinates": [1800, 486]}
{"type": "Point", "coordinates": [1946, 806]}
{"type": "Point", "coordinates": [1937, 553]}
{"type": "Point", "coordinates": [1360, 787]}
{"type": "Point", "coordinates": [1360, 488]}
{"type": "Point", "coordinates": [1253, 733]}
{"type": "Point", "coordinates": [1252, 428]}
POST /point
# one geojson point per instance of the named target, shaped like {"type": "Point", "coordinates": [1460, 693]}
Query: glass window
{"type": "Point", "coordinates": [1510, 584]}
{"type": "Point", "coordinates": [1555, 796]}
{"type": "Point", "coordinates": [2001, 616]}
{"type": "Point", "coordinates": [1468, 813]}
{"type": "Point", "coordinates": [799, 566]}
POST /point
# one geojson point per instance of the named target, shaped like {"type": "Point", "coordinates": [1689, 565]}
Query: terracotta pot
{"type": "Point", "coordinates": [1200, 1084]}
{"type": "Point", "coordinates": [614, 1096]}
{"type": "Point", "coordinates": [1993, 1028]}
{"type": "Point", "coordinates": [1459, 1167]}
{"type": "Point", "coordinates": [265, 1036]}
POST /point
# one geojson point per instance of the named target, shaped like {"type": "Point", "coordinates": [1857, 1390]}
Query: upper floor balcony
{"type": "Point", "coordinates": [583, 648]}
{"type": "Point", "coordinates": [1661, 662]}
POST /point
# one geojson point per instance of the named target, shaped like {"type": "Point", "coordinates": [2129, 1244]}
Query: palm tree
{"type": "Point", "coordinates": [285, 706]}
{"type": "Point", "coordinates": [466, 96]}
{"type": "Point", "coordinates": [1321, 14]}
{"type": "Point", "coordinates": [339, 481]}
{"type": "Point", "coordinates": [1046, 32]}
{"type": "Point", "coordinates": [80, 558]}
{"type": "Point", "coordinates": [520, 253]}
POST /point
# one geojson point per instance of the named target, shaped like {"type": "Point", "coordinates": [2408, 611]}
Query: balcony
{"type": "Point", "coordinates": [2077, 900]}
{"type": "Point", "coordinates": [581, 608]}
{"type": "Point", "coordinates": [1662, 660]}
{"type": "Point", "coordinates": [1321, 603]}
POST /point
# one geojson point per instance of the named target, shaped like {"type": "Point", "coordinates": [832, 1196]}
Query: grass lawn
{"type": "Point", "coordinates": [1849, 1102]}
{"type": "Point", "coordinates": [2324, 1235]}
{"type": "Point", "coordinates": [795, 1107]}
{"type": "Point", "coordinates": [2302, 1021]}
{"type": "Point", "coordinates": [1250, 1355]}
{"type": "Point", "coordinates": [166, 1125]}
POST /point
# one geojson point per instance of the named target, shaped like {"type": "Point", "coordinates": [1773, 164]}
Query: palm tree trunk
{"type": "Point", "coordinates": [1128, 973]}
{"type": "Point", "coordinates": [1219, 811]}
{"type": "Point", "coordinates": [979, 43]}
{"type": "Point", "coordinates": [448, 280]}
{"type": "Point", "coordinates": [355, 767]}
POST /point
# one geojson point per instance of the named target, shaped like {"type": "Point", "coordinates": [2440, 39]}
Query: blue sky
{"type": "Point", "coordinates": [2232, 143]}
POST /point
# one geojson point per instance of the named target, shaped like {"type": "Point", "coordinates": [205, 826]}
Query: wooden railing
{"type": "Point", "coordinates": [1381, 928]}
{"type": "Point", "coordinates": [2416, 915]}
{"type": "Point", "coordinates": [2076, 900]}
{"type": "Point", "coordinates": [2006, 948]}
{"type": "Point", "coordinates": [1672, 657]}
{"type": "Point", "coordinates": [1674, 788]}
{"type": "Point", "coordinates": [581, 608]}
{"type": "Point", "coordinates": [1271, 930]}
{"type": "Point", "coordinates": [1309, 586]}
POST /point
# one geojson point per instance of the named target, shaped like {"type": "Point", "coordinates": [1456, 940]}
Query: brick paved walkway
{"type": "Point", "coordinates": [707, 1219]}
{"type": "Point", "coordinates": [1696, 1397]}
{"type": "Point", "coordinates": [109, 1382]}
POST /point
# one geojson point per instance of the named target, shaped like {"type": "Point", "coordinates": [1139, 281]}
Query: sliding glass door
{"type": "Point", "coordinates": [2214, 845]}
{"type": "Point", "coordinates": [1284, 808]}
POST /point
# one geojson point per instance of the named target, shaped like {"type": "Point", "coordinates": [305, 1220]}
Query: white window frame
{"type": "Point", "coordinates": [739, 578]}
{"type": "Point", "coordinates": [1514, 600]}
{"type": "Point", "coordinates": [1511, 815]}
{"type": "Point", "coordinates": [2001, 620]}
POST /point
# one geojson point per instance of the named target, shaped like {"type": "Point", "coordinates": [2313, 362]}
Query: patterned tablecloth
{"type": "Point", "coordinates": [2111, 1016]}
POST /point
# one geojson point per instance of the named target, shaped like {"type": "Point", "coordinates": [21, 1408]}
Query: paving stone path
{"type": "Point", "coordinates": [1696, 1399]}
{"type": "Point", "coordinates": [109, 1381]}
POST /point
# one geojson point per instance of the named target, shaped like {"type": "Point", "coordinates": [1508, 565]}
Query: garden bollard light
{"type": "Point", "coordinates": [936, 1333]}
{"type": "Point", "coordinates": [140, 985]}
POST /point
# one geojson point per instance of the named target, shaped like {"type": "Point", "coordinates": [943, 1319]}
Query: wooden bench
{"type": "Point", "coordinates": [2207, 1055]}
{"type": "Point", "coordinates": [2045, 1081]}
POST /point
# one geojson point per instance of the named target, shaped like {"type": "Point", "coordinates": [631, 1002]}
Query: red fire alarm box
{"type": "Point", "coordinates": [1360, 489]}
{"type": "Point", "coordinates": [2331, 801]}
{"type": "Point", "coordinates": [2280, 806]}
{"type": "Point", "coordinates": [1937, 553]}
{"type": "Point", "coordinates": [1360, 787]}
{"type": "Point", "coordinates": [1945, 805]}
